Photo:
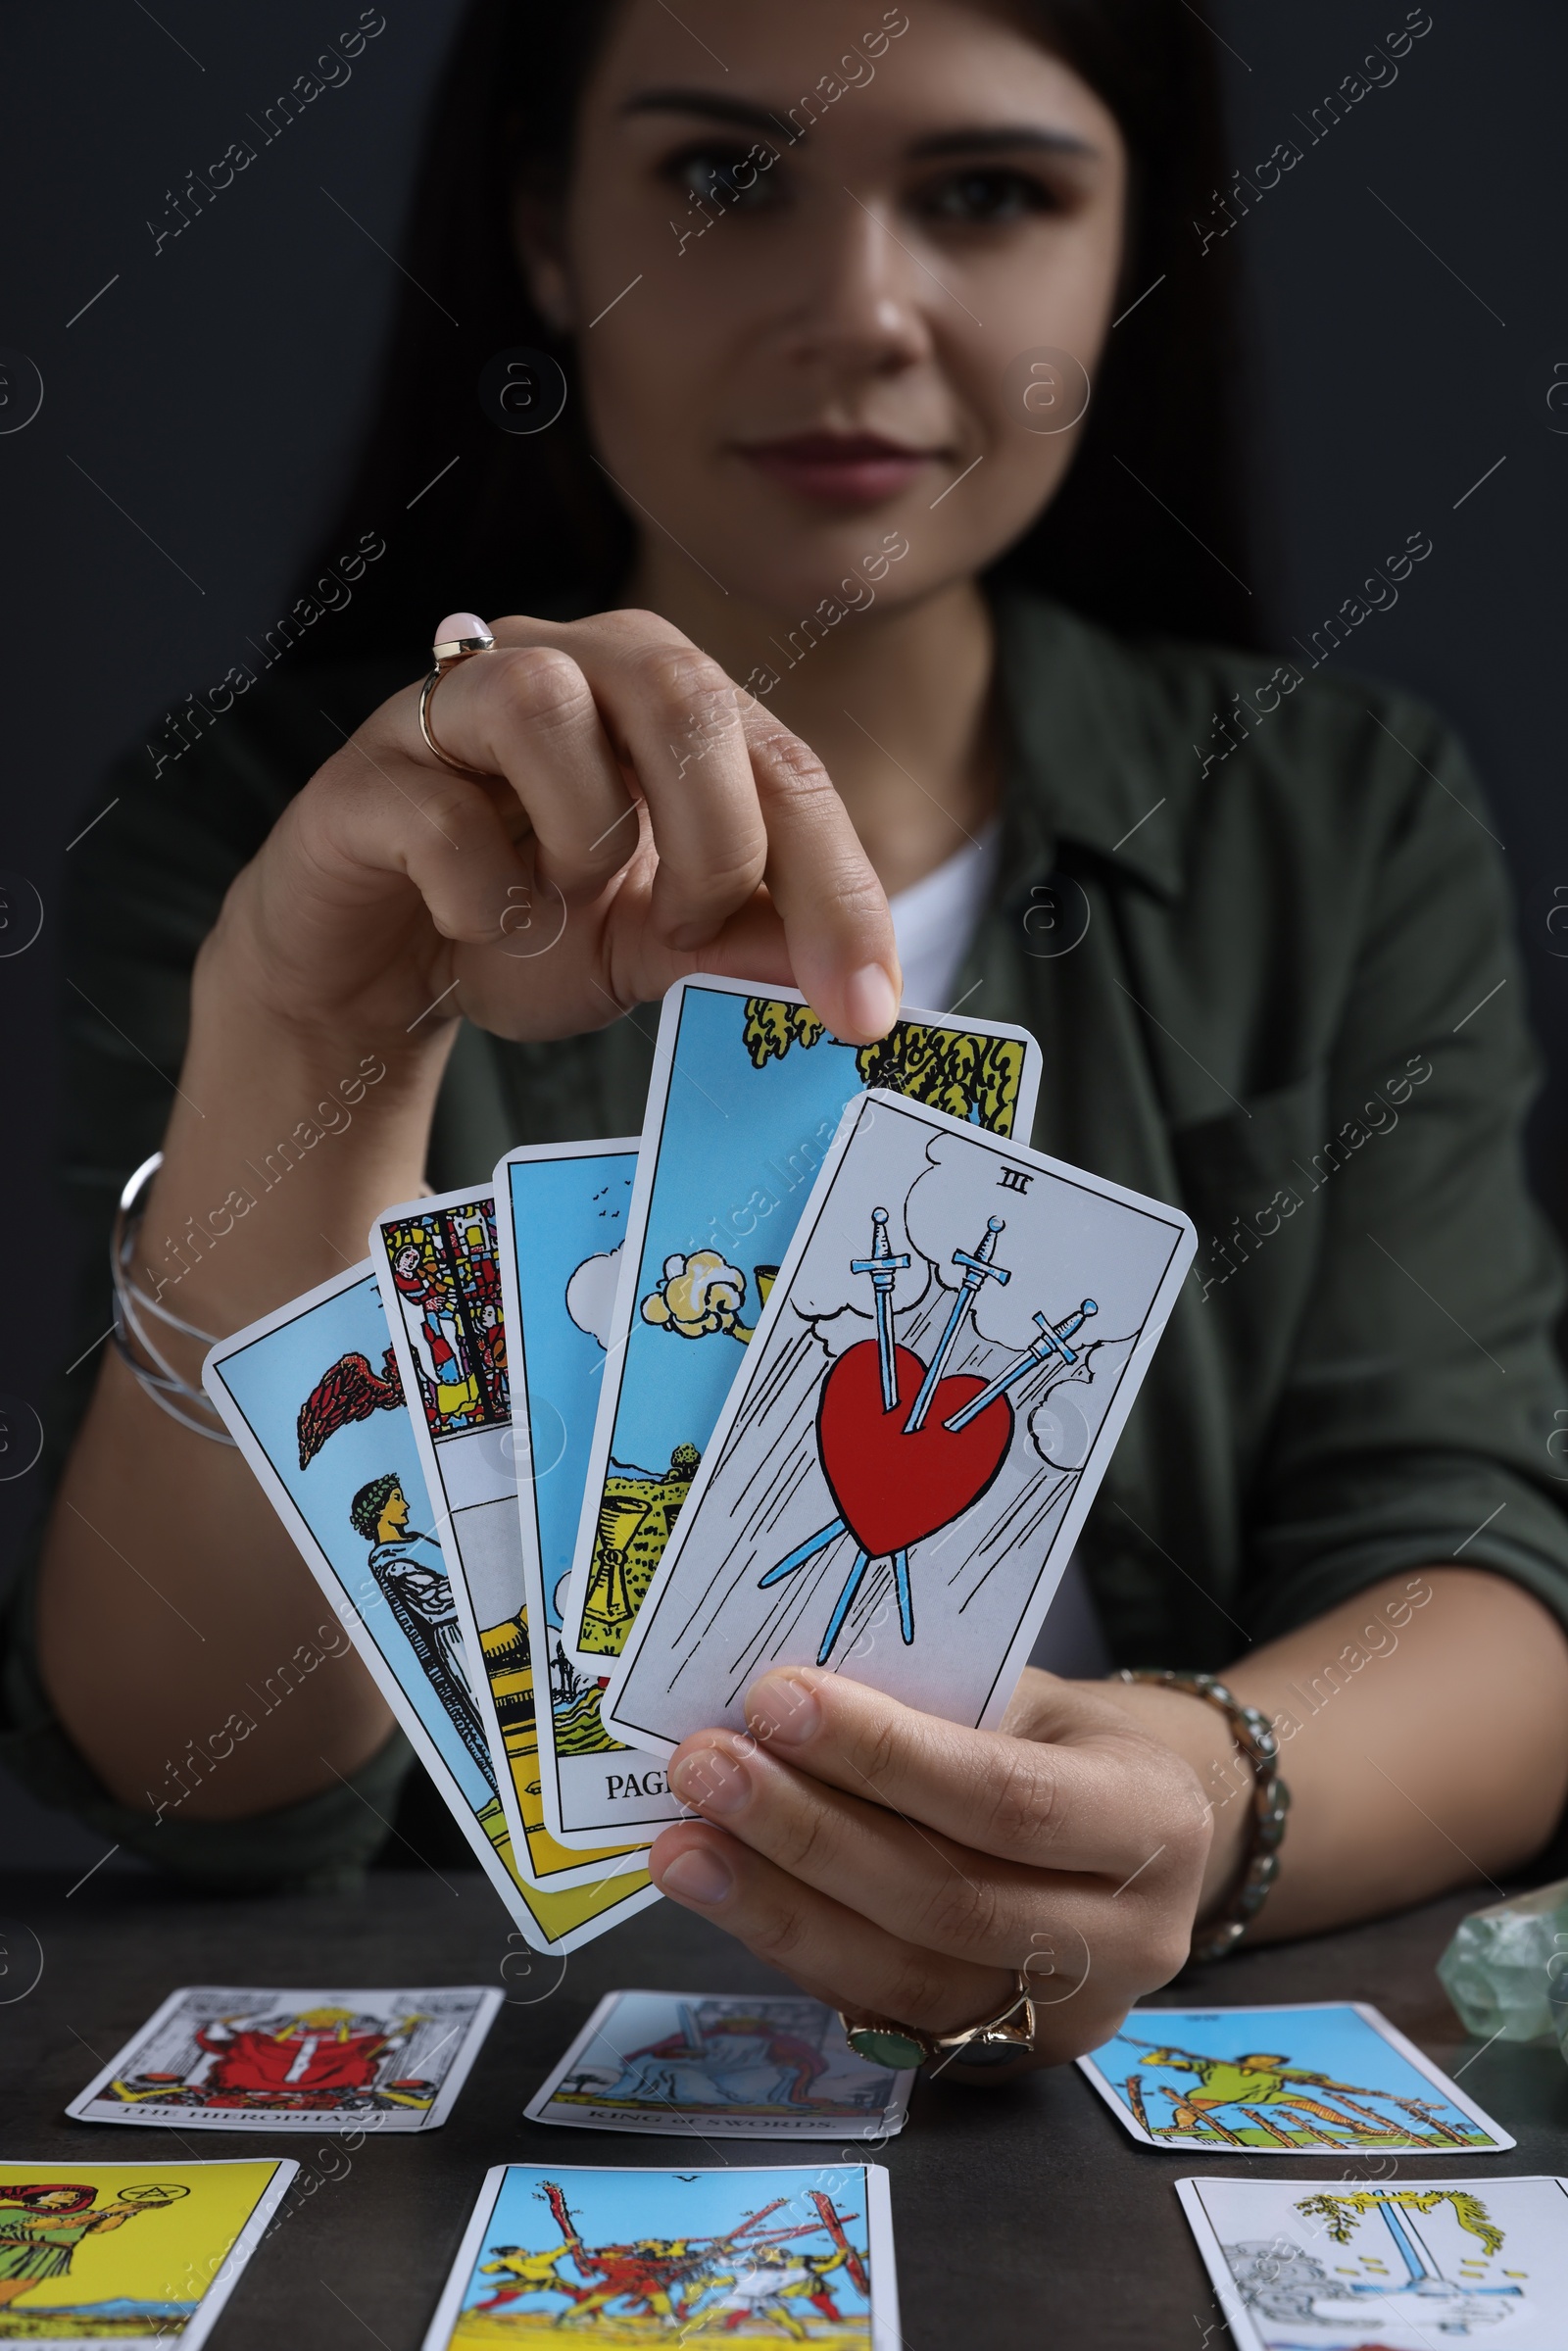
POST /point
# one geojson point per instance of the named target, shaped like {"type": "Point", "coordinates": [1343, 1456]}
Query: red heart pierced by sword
{"type": "Point", "coordinates": [895, 1490]}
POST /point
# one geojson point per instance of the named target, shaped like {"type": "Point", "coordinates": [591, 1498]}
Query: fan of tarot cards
{"type": "Point", "coordinates": [823, 1368]}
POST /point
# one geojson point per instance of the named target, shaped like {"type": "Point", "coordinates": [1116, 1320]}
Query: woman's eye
{"type": "Point", "coordinates": [985, 198]}
{"type": "Point", "coordinates": [724, 176]}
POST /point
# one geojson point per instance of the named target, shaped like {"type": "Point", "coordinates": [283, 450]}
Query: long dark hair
{"type": "Point", "coordinates": [526, 522]}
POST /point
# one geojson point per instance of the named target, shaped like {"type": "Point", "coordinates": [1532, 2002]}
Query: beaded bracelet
{"type": "Point", "coordinates": [1271, 1801]}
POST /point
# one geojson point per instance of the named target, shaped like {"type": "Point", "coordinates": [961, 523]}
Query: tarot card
{"type": "Point", "coordinates": [1386, 2264]}
{"type": "Point", "coordinates": [739, 2255]}
{"type": "Point", "coordinates": [1284, 2081]}
{"type": "Point", "coordinates": [710, 2065]}
{"type": "Point", "coordinates": [440, 1274]}
{"type": "Point", "coordinates": [745, 1099]}
{"type": "Point", "coordinates": [893, 1488]}
{"type": "Point", "coordinates": [561, 1219]}
{"type": "Point", "coordinates": [313, 1398]}
{"type": "Point", "coordinates": [232, 2058]}
{"type": "Point", "coordinates": [96, 2254]}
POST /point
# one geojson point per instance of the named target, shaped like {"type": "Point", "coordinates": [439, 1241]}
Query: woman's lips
{"type": "Point", "coordinates": [843, 468]}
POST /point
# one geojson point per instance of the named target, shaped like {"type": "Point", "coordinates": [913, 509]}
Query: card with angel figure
{"type": "Point", "coordinates": [1385, 2265]}
{"type": "Point", "coordinates": [720, 2065]}
{"type": "Point", "coordinates": [231, 2057]}
{"type": "Point", "coordinates": [953, 1345]}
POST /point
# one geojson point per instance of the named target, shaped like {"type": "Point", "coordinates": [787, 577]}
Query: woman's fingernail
{"type": "Point", "coordinates": [869, 999]}
{"type": "Point", "coordinates": [784, 1712]}
{"type": "Point", "coordinates": [709, 1781]}
{"type": "Point", "coordinates": [698, 1876]}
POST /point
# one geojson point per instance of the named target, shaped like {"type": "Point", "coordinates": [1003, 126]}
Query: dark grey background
{"type": "Point", "coordinates": [1408, 282]}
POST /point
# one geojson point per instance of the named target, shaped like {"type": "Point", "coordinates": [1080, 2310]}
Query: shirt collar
{"type": "Point", "coordinates": [1090, 748]}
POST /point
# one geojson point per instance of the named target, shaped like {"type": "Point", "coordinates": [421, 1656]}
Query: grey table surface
{"type": "Point", "coordinates": [1022, 2216]}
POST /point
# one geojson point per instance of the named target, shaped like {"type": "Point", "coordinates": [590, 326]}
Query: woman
{"type": "Point", "coordinates": [812, 342]}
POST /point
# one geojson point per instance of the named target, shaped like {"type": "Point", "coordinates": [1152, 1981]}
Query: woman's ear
{"type": "Point", "coordinates": [536, 239]}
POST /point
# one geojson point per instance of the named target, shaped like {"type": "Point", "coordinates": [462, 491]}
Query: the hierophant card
{"type": "Point", "coordinates": [1386, 2264]}
{"type": "Point", "coordinates": [734, 2256]}
{"type": "Point", "coordinates": [893, 1489]}
{"type": "Point", "coordinates": [744, 1097]}
{"type": "Point", "coordinates": [314, 1400]}
{"type": "Point", "coordinates": [1285, 2081]}
{"type": "Point", "coordinates": [94, 2254]}
{"type": "Point", "coordinates": [561, 1221]}
{"type": "Point", "coordinates": [439, 1266]}
{"type": "Point", "coordinates": [232, 2057]}
{"type": "Point", "coordinates": [710, 2066]}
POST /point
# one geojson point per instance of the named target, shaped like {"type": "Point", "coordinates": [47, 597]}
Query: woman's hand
{"type": "Point", "coordinates": [900, 1866]}
{"type": "Point", "coordinates": [633, 817]}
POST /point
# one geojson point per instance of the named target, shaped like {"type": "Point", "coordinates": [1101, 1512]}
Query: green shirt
{"type": "Point", "coordinates": [1261, 931]}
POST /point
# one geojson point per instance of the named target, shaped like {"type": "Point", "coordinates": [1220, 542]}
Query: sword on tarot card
{"type": "Point", "coordinates": [884, 1269]}
{"type": "Point", "coordinates": [1052, 1340]}
{"type": "Point", "coordinates": [978, 1270]}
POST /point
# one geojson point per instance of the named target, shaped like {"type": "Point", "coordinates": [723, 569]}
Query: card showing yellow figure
{"type": "Point", "coordinates": [110, 2253]}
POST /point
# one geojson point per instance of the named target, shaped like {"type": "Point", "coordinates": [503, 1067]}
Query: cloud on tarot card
{"type": "Point", "coordinates": [591, 1293]}
{"type": "Point", "coordinates": [1061, 1243]}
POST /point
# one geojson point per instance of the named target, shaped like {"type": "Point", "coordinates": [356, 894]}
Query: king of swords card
{"type": "Point", "coordinates": [648, 2255]}
{"type": "Point", "coordinates": [313, 1399]}
{"type": "Point", "coordinates": [744, 1097]}
{"type": "Point", "coordinates": [561, 1221]}
{"type": "Point", "coordinates": [952, 1345]}
{"type": "Point", "coordinates": [440, 1274]}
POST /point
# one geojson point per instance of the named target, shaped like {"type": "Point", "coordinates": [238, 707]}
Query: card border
{"type": "Point", "coordinates": [1426, 2067]}
{"type": "Point", "coordinates": [640, 1207]}
{"type": "Point", "coordinates": [488, 2001]}
{"type": "Point", "coordinates": [886, 2126]}
{"type": "Point", "coordinates": [1016, 1655]}
{"type": "Point", "coordinates": [529, 1154]}
{"type": "Point", "coordinates": [513, 1894]}
{"type": "Point", "coordinates": [885, 2334]}
{"type": "Point", "coordinates": [607, 1861]}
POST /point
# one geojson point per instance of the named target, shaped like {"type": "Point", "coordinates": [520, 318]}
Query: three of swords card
{"type": "Point", "coordinates": [439, 1266]}
{"type": "Point", "coordinates": [953, 1345]}
{"type": "Point", "coordinates": [745, 1098]}
{"type": "Point", "coordinates": [313, 1399]}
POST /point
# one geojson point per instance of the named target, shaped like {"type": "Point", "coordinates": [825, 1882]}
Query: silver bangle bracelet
{"type": "Point", "coordinates": [158, 1377]}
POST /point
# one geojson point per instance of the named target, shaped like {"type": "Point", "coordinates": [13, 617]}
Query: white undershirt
{"type": "Point", "coordinates": [935, 920]}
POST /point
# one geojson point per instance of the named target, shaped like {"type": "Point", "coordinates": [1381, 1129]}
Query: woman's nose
{"type": "Point", "coordinates": [861, 296]}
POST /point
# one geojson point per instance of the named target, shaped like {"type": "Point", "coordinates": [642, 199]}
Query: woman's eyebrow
{"type": "Point", "coordinates": [712, 104]}
{"type": "Point", "coordinates": [981, 138]}
{"type": "Point", "coordinates": [995, 139]}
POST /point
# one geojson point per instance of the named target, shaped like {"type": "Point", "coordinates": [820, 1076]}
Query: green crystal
{"type": "Point", "coordinates": [1498, 1969]}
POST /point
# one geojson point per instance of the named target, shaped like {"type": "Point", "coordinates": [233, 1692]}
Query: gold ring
{"type": "Point", "coordinates": [459, 638]}
{"type": "Point", "coordinates": [1008, 2032]}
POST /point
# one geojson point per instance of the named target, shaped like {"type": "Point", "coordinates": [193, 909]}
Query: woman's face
{"type": "Point", "coordinates": [793, 353]}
